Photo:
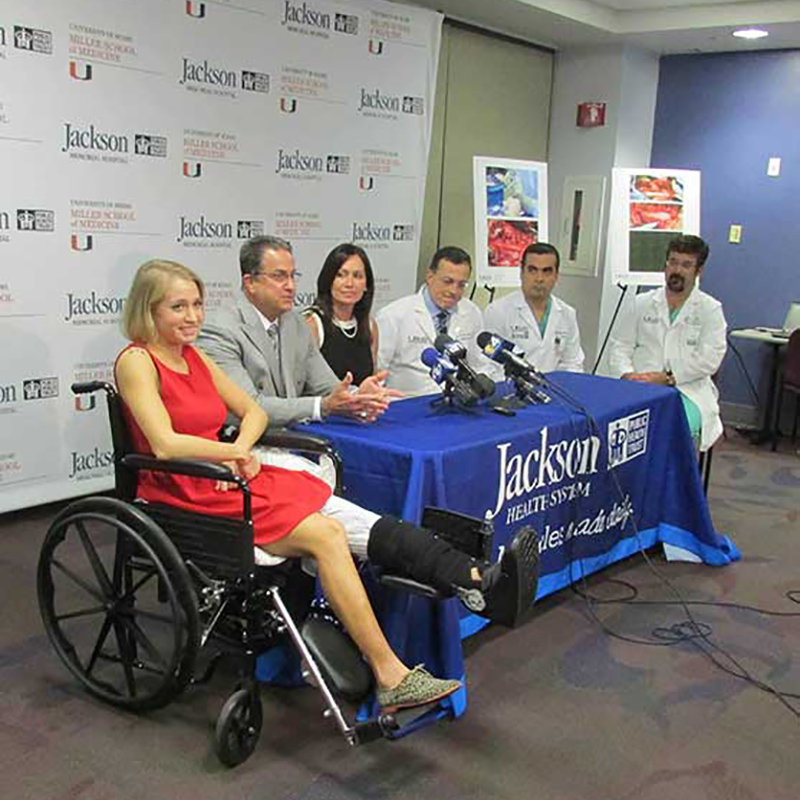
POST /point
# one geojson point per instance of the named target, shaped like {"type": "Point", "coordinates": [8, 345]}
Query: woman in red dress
{"type": "Point", "coordinates": [176, 399]}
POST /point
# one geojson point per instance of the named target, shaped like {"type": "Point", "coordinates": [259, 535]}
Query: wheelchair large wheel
{"type": "Point", "coordinates": [239, 727]}
{"type": "Point", "coordinates": [118, 604]}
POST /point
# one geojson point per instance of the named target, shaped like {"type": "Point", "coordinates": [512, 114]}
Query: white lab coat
{"type": "Point", "coordinates": [406, 328]}
{"type": "Point", "coordinates": [558, 349]}
{"type": "Point", "coordinates": [692, 347]}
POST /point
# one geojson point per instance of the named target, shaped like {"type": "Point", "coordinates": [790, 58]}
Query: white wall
{"type": "Point", "coordinates": [627, 80]}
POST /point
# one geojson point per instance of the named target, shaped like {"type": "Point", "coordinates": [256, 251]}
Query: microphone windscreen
{"type": "Point", "coordinates": [430, 358]}
{"type": "Point", "coordinates": [441, 341]}
{"type": "Point", "coordinates": [484, 337]}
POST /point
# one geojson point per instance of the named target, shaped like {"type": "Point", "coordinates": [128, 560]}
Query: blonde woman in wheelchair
{"type": "Point", "coordinates": [176, 399]}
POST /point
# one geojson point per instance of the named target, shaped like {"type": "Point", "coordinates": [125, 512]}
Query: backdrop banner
{"type": "Point", "coordinates": [178, 129]}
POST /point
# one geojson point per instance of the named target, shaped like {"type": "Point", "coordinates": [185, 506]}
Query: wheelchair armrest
{"type": "Point", "coordinates": [183, 466]}
{"type": "Point", "coordinates": [299, 442]}
{"type": "Point", "coordinates": [285, 439]}
{"type": "Point", "coordinates": [294, 440]}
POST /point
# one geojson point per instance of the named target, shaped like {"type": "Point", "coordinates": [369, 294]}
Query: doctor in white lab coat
{"type": "Point", "coordinates": [544, 327]}
{"type": "Point", "coordinates": [411, 324]}
{"type": "Point", "coordinates": [676, 336]}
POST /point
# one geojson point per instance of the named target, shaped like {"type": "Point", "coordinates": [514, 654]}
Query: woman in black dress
{"type": "Point", "coordinates": [340, 320]}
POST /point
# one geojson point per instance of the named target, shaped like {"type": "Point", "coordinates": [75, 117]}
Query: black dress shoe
{"type": "Point", "coordinates": [509, 586]}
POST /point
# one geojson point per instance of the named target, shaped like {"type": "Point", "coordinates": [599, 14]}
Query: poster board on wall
{"type": "Point", "coordinates": [510, 202]}
{"type": "Point", "coordinates": [649, 207]}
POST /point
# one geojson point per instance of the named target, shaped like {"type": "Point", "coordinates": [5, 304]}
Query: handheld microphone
{"type": "Point", "coordinates": [456, 353]}
{"type": "Point", "coordinates": [525, 376]}
{"type": "Point", "coordinates": [445, 373]}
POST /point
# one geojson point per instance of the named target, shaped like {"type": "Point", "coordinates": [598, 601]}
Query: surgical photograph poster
{"type": "Point", "coordinates": [510, 202]}
{"type": "Point", "coordinates": [649, 207]}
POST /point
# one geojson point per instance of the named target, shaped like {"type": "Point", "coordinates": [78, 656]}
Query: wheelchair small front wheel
{"type": "Point", "coordinates": [239, 727]}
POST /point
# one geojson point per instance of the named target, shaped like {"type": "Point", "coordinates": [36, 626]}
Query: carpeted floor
{"type": "Point", "coordinates": [558, 708]}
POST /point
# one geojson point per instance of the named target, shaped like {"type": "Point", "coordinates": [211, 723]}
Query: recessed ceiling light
{"type": "Point", "coordinates": [751, 33]}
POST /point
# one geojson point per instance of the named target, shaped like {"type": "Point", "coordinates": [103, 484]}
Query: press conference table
{"type": "Point", "coordinates": [547, 466]}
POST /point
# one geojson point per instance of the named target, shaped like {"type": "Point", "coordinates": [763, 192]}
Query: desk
{"type": "Point", "coordinates": [765, 336]}
{"type": "Point", "coordinates": [543, 467]}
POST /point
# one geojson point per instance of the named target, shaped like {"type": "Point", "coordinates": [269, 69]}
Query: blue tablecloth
{"type": "Point", "coordinates": [548, 466]}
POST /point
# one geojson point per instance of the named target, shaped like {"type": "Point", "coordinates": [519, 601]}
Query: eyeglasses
{"type": "Point", "coordinates": [685, 263]}
{"type": "Point", "coordinates": [280, 277]}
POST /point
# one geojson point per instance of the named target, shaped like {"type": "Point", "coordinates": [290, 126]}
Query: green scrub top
{"type": "Point", "coordinates": [693, 416]}
{"type": "Point", "coordinates": [546, 316]}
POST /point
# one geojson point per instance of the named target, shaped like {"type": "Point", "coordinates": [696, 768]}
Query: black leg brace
{"type": "Point", "coordinates": [411, 552]}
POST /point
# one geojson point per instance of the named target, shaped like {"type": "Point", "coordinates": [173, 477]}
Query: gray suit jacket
{"type": "Point", "coordinates": [235, 338]}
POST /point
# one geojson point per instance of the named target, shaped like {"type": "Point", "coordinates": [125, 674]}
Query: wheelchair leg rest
{"type": "Point", "coordinates": [412, 719]}
{"type": "Point", "coordinates": [383, 727]}
{"type": "Point", "coordinates": [333, 708]}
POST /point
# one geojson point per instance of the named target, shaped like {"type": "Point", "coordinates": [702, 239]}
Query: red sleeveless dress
{"type": "Point", "coordinates": [281, 498]}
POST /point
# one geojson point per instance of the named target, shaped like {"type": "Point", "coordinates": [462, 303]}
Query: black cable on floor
{"type": "Point", "coordinates": [689, 631]}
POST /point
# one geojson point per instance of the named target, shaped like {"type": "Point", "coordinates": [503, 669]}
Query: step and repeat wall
{"type": "Point", "coordinates": [133, 129]}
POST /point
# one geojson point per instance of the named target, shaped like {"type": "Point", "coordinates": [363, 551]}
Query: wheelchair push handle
{"type": "Point", "coordinates": [89, 387]}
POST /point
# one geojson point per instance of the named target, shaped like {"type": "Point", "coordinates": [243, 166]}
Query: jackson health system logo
{"type": "Point", "coordinates": [195, 73]}
{"type": "Point", "coordinates": [32, 389]}
{"type": "Point", "coordinates": [376, 102]}
{"type": "Point", "coordinates": [366, 232]}
{"type": "Point", "coordinates": [554, 471]}
{"type": "Point", "coordinates": [93, 139]}
{"type": "Point", "coordinates": [205, 232]}
{"type": "Point", "coordinates": [305, 17]}
{"type": "Point", "coordinates": [296, 162]}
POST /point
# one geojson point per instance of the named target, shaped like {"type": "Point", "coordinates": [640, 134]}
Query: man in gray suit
{"type": "Point", "coordinates": [264, 345]}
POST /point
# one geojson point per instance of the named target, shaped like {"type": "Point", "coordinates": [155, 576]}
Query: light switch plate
{"type": "Point", "coordinates": [735, 234]}
{"type": "Point", "coordinates": [774, 167]}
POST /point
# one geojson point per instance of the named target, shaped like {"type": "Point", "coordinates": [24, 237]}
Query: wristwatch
{"type": "Point", "coordinates": [670, 377]}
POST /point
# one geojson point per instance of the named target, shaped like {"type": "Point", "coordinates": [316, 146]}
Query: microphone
{"type": "Point", "coordinates": [444, 372]}
{"type": "Point", "coordinates": [450, 347]}
{"type": "Point", "coordinates": [456, 353]}
{"type": "Point", "coordinates": [525, 376]}
{"type": "Point", "coordinates": [502, 351]}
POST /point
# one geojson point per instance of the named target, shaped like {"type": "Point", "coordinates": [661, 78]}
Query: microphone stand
{"type": "Point", "coordinates": [448, 401]}
{"type": "Point", "coordinates": [624, 288]}
{"type": "Point", "coordinates": [525, 394]}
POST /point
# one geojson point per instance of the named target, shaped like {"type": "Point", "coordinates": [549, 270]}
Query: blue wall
{"type": "Point", "coordinates": [726, 114]}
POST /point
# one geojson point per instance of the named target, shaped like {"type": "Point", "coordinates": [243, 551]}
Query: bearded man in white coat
{"type": "Point", "coordinates": [541, 325]}
{"type": "Point", "coordinates": [411, 324]}
{"type": "Point", "coordinates": [676, 336]}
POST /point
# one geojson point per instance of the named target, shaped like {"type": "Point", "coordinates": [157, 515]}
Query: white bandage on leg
{"type": "Point", "coordinates": [357, 522]}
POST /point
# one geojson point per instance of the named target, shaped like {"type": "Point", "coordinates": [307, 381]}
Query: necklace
{"type": "Point", "coordinates": [349, 327]}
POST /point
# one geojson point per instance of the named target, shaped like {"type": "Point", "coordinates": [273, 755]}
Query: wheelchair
{"type": "Point", "coordinates": [135, 595]}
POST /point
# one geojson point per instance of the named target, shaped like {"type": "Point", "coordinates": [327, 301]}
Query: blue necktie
{"type": "Point", "coordinates": [441, 322]}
